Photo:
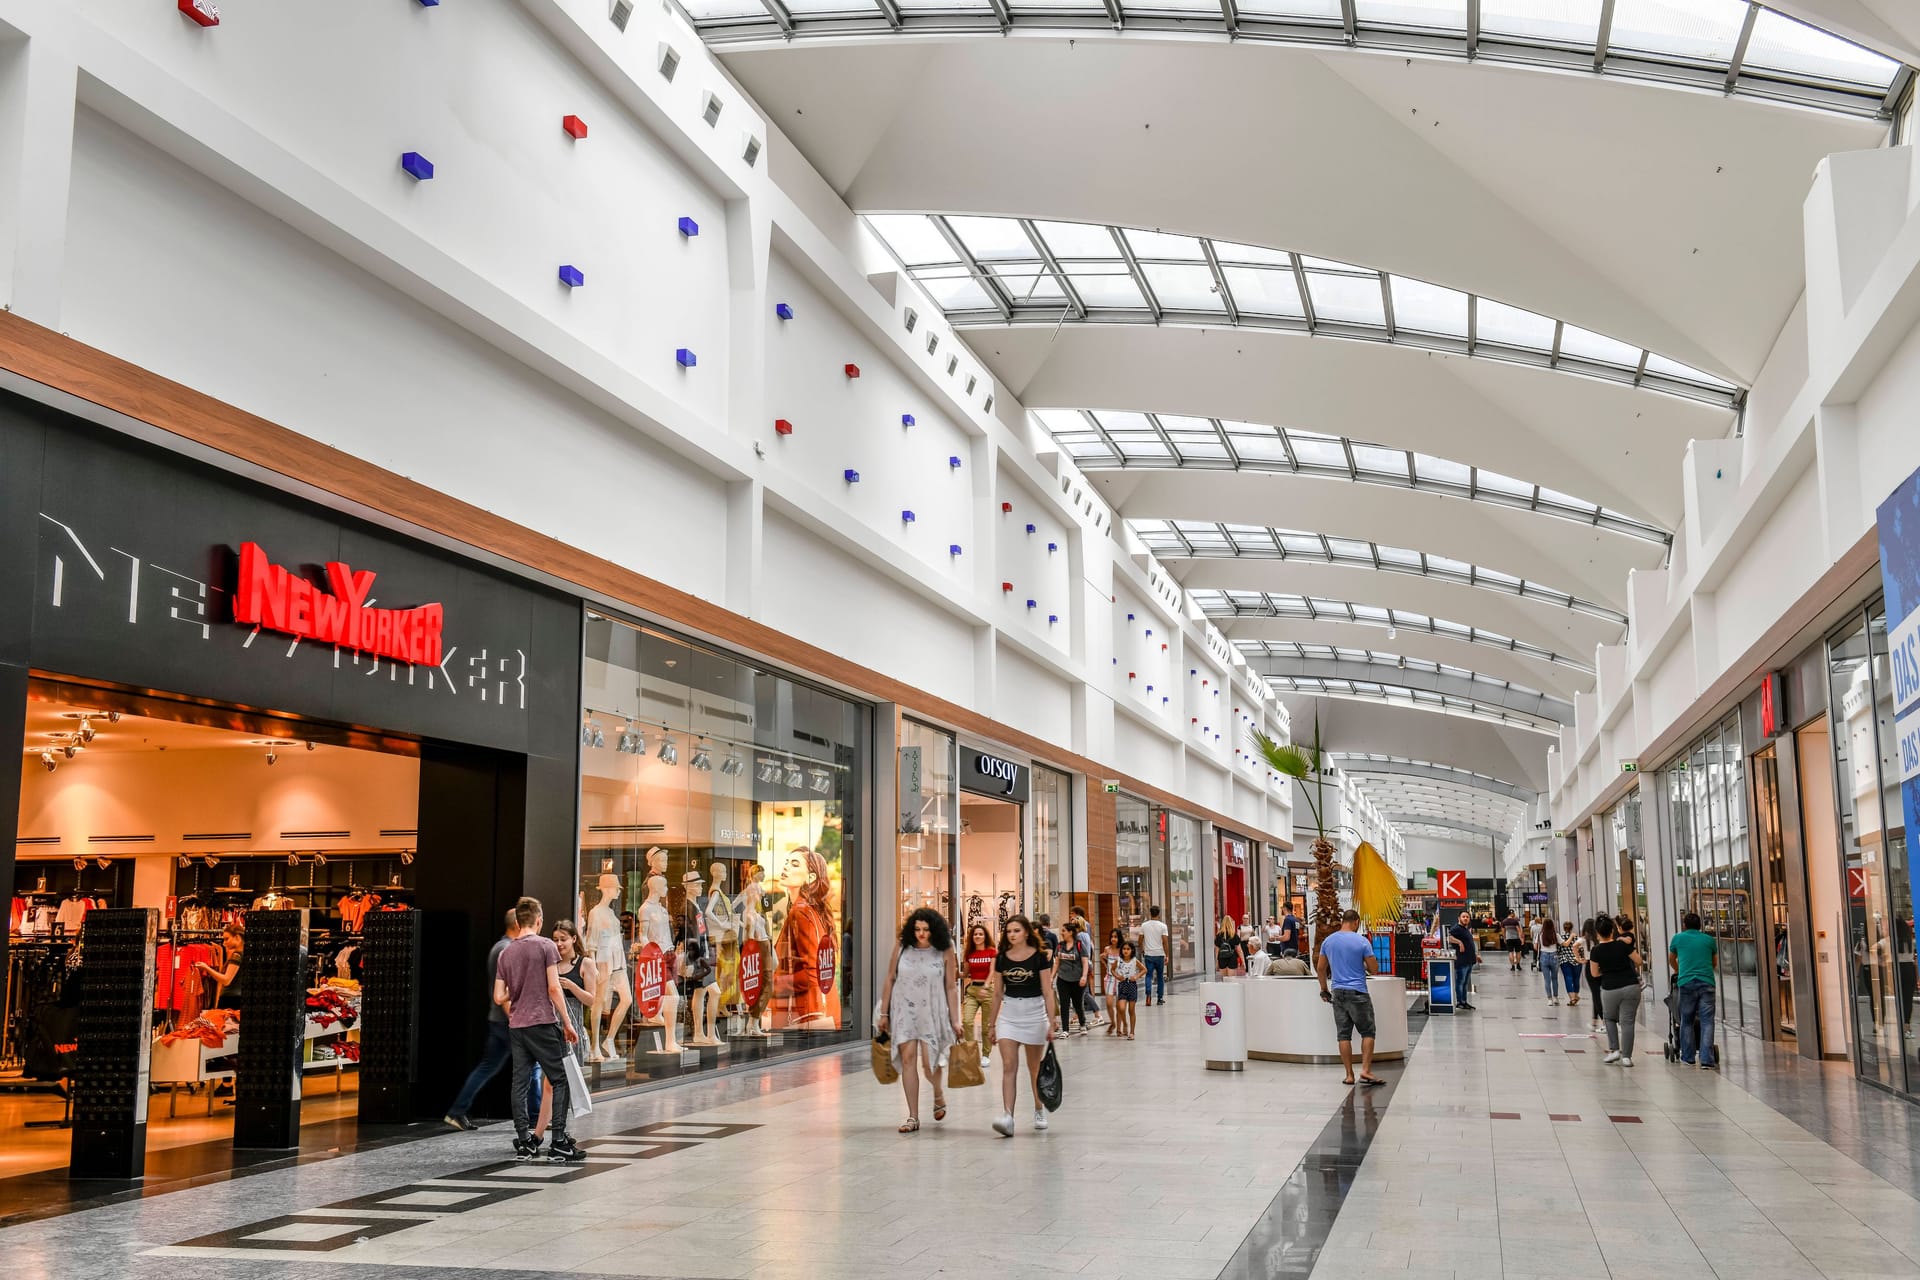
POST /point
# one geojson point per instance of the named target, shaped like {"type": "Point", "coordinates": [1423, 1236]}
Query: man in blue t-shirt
{"type": "Point", "coordinates": [1346, 959]}
{"type": "Point", "coordinates": [1692, 959]}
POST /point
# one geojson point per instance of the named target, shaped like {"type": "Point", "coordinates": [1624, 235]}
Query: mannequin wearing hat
{"type": "Point", "coordinates": [611, 995]}
{"type": "Point", "coordinates": [656, 926]}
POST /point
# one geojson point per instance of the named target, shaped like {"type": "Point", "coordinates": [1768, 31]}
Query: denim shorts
{"type": "Point", "coordinates": [1352, 1010]}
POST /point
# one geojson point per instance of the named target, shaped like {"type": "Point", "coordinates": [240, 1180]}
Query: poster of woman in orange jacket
{"type": "Point", "coordinates": [806, 955]}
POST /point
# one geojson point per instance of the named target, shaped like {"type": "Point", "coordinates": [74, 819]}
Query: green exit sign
{"type": "Point", "coordinates": [1629, 766]}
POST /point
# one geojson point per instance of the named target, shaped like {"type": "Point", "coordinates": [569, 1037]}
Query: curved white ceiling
{"type": "Point", "coordinates": [1608, 443]}
{"type": "Point", "coordinates": [1668, 220]}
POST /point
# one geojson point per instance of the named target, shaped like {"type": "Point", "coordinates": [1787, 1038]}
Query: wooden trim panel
{"type": "Point", "coordinates": [53, 360]}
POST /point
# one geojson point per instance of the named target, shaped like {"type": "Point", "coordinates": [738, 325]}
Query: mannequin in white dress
{"type": "Point", "coordinates": [723, 935]}
{"type": "Point", "coordinates": [611, 994]}
{"type": "Point", "coordinates": [656, 926]}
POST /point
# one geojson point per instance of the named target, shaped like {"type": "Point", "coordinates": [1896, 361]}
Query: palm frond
{"type": "Point", "coordinates": [1285, 757]}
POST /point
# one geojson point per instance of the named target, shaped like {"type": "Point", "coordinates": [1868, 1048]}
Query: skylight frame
{"type": "Point", "coordinates": [1404, 696]}
{"type": "Point", "coordinates": [1098, 451]}
{"type": "Point", "coordinates": [1729, 75]}
{"type": "Point", "coordinates": [1168, 538]}
{"type": "Point", "coordinates": [1386, 668]}
{"type": "Point", "coordinates": [1216, 264]}
{"type": "Point", "coordinates": [1215, 604]}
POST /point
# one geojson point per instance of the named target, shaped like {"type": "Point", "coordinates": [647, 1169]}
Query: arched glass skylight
{"type": "Point", "coordinates": [1337, 662]}
{"type": "Point", "coordinates": [1418, 623]}
{"type": "Point", "coordinates": [1727, 46]}
{"type": "Point", "coordinates": [1104, 440]}
{"type": "Point", "coordinates": [1206, 540]}
{"type": "Point", "coordinates": [988, 271]}
{"type": "Point", "coordinates": [1418, 699]}
{"type": "Point", "coordinates": [1374, 764]}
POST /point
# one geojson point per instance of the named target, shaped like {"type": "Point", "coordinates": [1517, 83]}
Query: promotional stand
{"type": "Point", "coordinates": [1442, 996]}
{"type": "Point", "coordinates": [390, 1017]}
{"type": "Point", "coordinates": [110, 1079]}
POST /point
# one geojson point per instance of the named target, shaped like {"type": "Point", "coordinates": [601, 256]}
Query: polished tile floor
{"type": "Point", "coordinates": [1504, 1148]}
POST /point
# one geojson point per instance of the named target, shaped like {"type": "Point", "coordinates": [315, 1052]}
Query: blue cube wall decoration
{"type": "Point", "coordinates": [1052, 618]}
{"type": "Point", "coordinates": [906, 419]}
{"type": "Point", "coordinates": [1129, 617]}
{"type": "Point", "coordinates": [1193, 671]}
{"type": "Point", "coordinates": [1033, 604]}
{"type": "Point", "coordinates": [906, 517]}
{"type": "Point", "coordinates": [418, 167]}
{"type": "Point", "coordinates": [1164, 701]}
{"type": "Point", "coordinates": [689, 228]}
{"type": "Point", "coordinates": [853, 477]}
{"type": "Point", "coordinates": [784, 310]}
{"type": "Point", "coordinates": [953, 549]}
{"type": "Point", "coordinates": [1052, 547]}
{"type": "Point", "coordinates": [1030, 529]}
{"type": "Point", "coordinates": [429, 4]}
{"type": "Point", "coordinates": [954, 461]}
{"type": "Point", "coordinates": [1149, 630]}
{"type": "Point", "coordinates": [686, 358]}
{"type": "Point", "coordinates": [572, 277]}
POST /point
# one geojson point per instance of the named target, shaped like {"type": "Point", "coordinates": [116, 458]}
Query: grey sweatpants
{"type": "Point", "coordinates": [1620, 1008]}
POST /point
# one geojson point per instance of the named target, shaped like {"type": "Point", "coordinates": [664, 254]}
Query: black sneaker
{"type": "Point", "coordinates": [564, 1151]}
{"type": "Point", "coordinates": [525, 1149]}
{"type": "Point", "coordinates": [461, 1123]}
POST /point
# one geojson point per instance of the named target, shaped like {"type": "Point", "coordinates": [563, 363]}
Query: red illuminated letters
{"type": "Point", "coordinates": [276, 599]}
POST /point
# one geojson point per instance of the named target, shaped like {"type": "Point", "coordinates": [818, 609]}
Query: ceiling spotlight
{"type": "Point", "coordinates": [731, 766]}
{"type": "Point", "coordinates": [591, 734]}
{"type": "Point", "coordinates": [71, 750]}
{"type": "Point", "coordinates": [270, 756]}
{"type": "Point", "coordinates": [212, 861]}
{"type": "Point", "coordinates": [795, 778]}
{"type": "Point", "coordinates": [86, 730]}
{"type": "Point", "coordinates": [669, 753]}
{"type": "Point", "coordinates": [1392, 631]}
{"type": "Point", "coordinates": [822, 782]}
{"type": "Point", "coordinates": [293, 859]}
{"type": "Point", "coordinates": [769, 769]}
{"type": "Point", "coordinates": [47, 759]}
{"type": "Point", "coordinates": [702, 759]}
{"type": "Point", "coordinates": [309, 744]}
{"type": "Point", "coordinates": [185, 861]}
{"type": "Point", "coordinates": [113, 717]}
{"type": "Point", "coordinates": [320, 858]}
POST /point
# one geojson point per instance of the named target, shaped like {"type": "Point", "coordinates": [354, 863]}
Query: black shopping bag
{"type": "Point", "coordinates": [1049, 1084]}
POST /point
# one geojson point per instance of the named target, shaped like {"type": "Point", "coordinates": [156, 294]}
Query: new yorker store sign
{"type": "Point", "coordinates": [123, 563]}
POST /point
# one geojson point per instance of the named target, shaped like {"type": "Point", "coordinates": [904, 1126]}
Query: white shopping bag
{"type": "Point", "coordinates": [579, 1101]}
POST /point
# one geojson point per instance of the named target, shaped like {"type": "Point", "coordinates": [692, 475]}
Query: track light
{"type": "Point", "coordinates": [795, 778]}
{"type": "Point", "coordinates": [769, 769]}
{"type": "Point", "coordinates": [669, 753]}
{"type": "Point", "coordinates": [822, 782]}
{"type": "Point", "coordinates": [309, 744]}
{"type": "Point", "coordinates": [113, 717]}
{"type": "Point", "coordinates": [271, 757]}
{"type": "Point", "coordinates": [731, 766]}
{"type": "Point", "coordinates": [702, 759]}
{"type": "Point", "coordinates": [47, 759]}
{"type": "Point", "coordinates": [86, 730]}
{"type": "Point", "coordinates": [70, 750]}
{"type": "Point", "coordinates": [591, 734]}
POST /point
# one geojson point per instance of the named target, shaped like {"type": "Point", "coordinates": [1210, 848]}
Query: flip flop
{"type": "Point", "coordinates": [1372, 1082]}
{"type": "Point", "coordinates": [1348, 1081]}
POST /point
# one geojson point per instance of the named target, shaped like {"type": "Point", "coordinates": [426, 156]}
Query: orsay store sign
{"type": "Point", "coordinates": [989, 775]}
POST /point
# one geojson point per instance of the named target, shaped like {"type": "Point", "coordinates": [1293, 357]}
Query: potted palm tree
{"type": "Point", "coordinates": [1303, 765]}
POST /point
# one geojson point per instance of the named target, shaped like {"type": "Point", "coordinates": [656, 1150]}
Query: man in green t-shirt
{"type": "Point", "coordinates": [1692, 958]}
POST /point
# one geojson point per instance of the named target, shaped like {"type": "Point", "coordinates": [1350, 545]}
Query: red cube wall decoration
{"type": "Point", "coordinates": [576, 127]}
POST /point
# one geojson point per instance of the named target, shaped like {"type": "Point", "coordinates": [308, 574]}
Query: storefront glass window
{"type": "Point", "coordinates": [718, 831]}
{"type": "Point", "coordinates": [1183, 890]}
{"type": "Point", "coordinates": [1893, 819]}
{"type": "Point", "coordinates": [1873, 957]}
{"type": "Point", "coordinates": [1739, 956]}
{"type": "Point", "coordinates": [1053, 840]}
{"type": "Point", "coordinates": [929, 818]}
{"type": "Point", "coordinates": [1132, 841]}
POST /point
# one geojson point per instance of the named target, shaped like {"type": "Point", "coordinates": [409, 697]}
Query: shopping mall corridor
{"type": "Point", "coordinates": [1504, 1148]}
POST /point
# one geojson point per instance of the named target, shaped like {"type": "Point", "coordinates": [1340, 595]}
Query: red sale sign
{"type": "Point", "coordinates": [825, 959]}
{"type": "Point", "coordinates": [1452, 886]}
{"type": "Point", "coordinates": [750, 976]}
{"type": "Point", "coordinates": [650, 977]}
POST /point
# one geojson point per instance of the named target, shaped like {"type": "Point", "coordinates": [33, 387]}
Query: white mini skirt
{"type": "Point", "coordinates": [1023, 1020]}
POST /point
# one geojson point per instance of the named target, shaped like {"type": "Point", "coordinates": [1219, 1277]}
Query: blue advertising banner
{"type": "Point", "coordinates": [1899, 523]}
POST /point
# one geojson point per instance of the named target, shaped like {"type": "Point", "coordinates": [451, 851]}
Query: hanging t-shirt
{"type": "Point", "coordinates": [1021, 979]}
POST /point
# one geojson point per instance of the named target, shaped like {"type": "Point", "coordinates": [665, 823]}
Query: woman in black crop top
{"type": "Point", "coordinates": [1615, 966]}
{"type": "Point", "coordinates": [1023, 1013]}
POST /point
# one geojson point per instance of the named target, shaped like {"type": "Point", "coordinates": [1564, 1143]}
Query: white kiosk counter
{"type": "Point", "coordinates": [1288, 1022]}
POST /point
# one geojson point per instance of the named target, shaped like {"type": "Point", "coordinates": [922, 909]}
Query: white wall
{"type": "Point", "coordinates": [1477, 859]}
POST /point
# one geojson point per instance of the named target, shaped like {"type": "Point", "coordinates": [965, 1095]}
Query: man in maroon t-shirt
{"type": "Point", "coordinates": [527, 986]}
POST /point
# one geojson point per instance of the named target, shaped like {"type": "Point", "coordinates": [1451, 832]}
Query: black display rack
{"type": "Point", "coordinates": [389, 1016]}
{"type": "Point", "coordinates": [273, 1024]}
{"type": "Point", "coordinates": [109, 1084]}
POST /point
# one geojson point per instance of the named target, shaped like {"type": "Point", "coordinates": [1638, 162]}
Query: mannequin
{"type": "Point", "coordinates": [656, 926]}
{"type": "Point", "coordinates": [723, 935]}
{"type": "Point", "coordinates": [609, 953]}
{"type": "Point", "coordinates": [701, 971]}
{"type": "Point", "coordinates": [656, 862]}
{"type": "Point", "coordinates": [755, 937]}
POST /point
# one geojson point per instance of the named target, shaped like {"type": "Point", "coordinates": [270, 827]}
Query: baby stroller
{"type": "Point", "coordinates": [1673, 1026]}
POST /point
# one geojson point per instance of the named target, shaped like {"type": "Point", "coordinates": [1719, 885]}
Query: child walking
{"type": "Point", "coordinates": [1127, 975]}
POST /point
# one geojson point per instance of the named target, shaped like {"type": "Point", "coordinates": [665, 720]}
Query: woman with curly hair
{"type": "Point", "coordinates": [920, 1007]}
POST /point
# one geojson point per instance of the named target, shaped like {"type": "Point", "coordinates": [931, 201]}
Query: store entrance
{"type": "Point", "coordinates": [208, 816]}
{"type": "Point", "coordinates": [993, 881]}
{"type": "Point", "coordinates": [1826, 898]}
{"type": "Point", "coordinates": [1776, 950]}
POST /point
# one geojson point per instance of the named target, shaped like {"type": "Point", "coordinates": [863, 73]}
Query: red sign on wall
{"type": "Point", "coordinates": [1452, 886]}
{"type": "Point", "coordinates": [650, 979]}
{"type": "Point", "coordinates": [1856, 883]}
{"type": "Point", "coordinates": [750, 975]}
{"type": "Point", "coordinates": [277, 599]}
{"type": "Point", "coordinates": [1773, 704]}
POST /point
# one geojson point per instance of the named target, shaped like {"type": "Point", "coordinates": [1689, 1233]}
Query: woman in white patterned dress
{"type": "Point", "coordinates": [920, 1008]}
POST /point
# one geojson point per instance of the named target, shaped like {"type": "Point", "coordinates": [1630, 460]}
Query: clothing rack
{"type": "Point", "coordinates": [36, 970]}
